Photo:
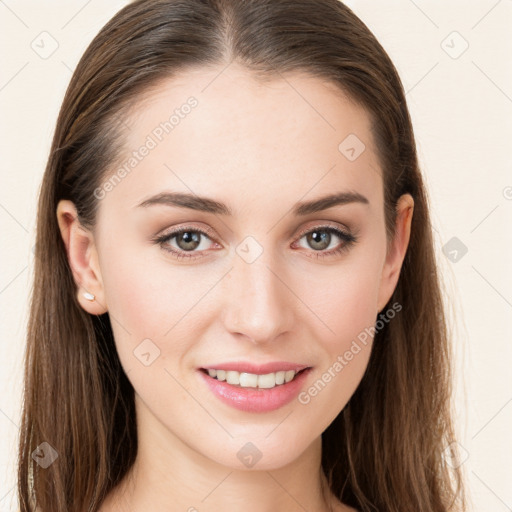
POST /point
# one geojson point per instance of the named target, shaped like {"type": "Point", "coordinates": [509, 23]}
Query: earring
{"type": "Point", "coordinates": [88, 296]}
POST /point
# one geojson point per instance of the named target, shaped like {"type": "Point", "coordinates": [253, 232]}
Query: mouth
{"type": "Point", "coordinates": [259, 390]}
{"type": "Point", "coordinates": [254, 380]}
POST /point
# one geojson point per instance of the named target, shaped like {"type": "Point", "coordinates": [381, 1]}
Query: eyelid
{"type": "Point", "coordinates": [211, 234]}
{"type": "Point", "coordinates": [187, 227]}
{"type": "Point", "coordinates": [321, 225]}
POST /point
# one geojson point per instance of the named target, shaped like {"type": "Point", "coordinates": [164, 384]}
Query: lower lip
{"type": "Point", "coordinates": [256, 399]}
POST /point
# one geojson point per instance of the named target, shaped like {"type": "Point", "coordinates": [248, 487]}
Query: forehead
{"type": "Point", "coordinates": [220, 132]}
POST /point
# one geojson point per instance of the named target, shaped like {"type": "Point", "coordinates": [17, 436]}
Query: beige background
{"type": "Point", "coordinates": [461, 103]}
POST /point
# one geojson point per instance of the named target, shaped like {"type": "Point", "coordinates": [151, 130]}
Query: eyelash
{"type": "Point", "coordinates": [348, 240]}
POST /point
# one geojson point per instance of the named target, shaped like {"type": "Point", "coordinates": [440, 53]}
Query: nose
{"type": "Point", "coordinates": [258, 303]}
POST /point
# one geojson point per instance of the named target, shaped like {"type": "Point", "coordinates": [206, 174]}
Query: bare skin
{"type": "Point", "coordinates": [260, 149]}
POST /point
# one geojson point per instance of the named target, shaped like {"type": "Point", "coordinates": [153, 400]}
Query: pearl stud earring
{"type": "Point", "coordinates": [88, 296]}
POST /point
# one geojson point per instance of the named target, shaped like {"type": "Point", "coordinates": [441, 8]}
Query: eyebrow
{"type": "Point", "coordinates": [205, 204]}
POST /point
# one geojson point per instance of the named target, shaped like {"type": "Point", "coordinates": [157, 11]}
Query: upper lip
{"type": "Point", "coordinates": [258, 369]}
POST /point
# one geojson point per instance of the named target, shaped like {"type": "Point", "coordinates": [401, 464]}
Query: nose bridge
{"type": "Point", "coordinates": [258, 303]}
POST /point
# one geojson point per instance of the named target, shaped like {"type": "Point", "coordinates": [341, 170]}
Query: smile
{"type": "Point", "coordinates": [255, 392]}
{"type": "Point", "coordinates": [252, 380]}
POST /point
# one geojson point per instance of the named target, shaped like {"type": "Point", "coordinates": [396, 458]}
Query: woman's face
{"type": "Point", "coordinates": [259, 276]}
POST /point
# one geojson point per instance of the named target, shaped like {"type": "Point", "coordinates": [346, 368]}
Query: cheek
{"type": "Point", "coordinates": [150, 299]}
{"type": "Point", "coordinates": [345, 302]}
{"type": "Point", "coordinates": [151, 309]}
{"type": "Point", "coordinates": [347, 307]}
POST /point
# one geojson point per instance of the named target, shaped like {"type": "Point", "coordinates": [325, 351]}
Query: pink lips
{"type": "Point", "coordinates": [255, 399]}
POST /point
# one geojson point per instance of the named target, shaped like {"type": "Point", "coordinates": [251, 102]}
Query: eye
{"type": "Point", "coordinates": [321, 237]}
{"type": "Point", "coordinates": [187, 240]}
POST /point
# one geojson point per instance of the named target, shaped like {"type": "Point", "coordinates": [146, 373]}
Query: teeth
{"type": "Point", "coordinates": [288, 376]}
{"type": "Point", "coordinates": [251, 380]}
{"type": "Point", "coordinates": [247, 380]}
{"type": "Point", "coordinates": [267, 381]}
{"type": "Point", "coordinates": [232, 377]}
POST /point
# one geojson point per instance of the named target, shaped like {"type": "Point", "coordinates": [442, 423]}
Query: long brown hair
{"type": "Point", "coordinates": [386, 450]}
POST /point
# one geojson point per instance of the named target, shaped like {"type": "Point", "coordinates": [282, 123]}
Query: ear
{"type": "Point", "coordinates": [397, 250]}
{"type": "Point", "coordinates": [82, 258]}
